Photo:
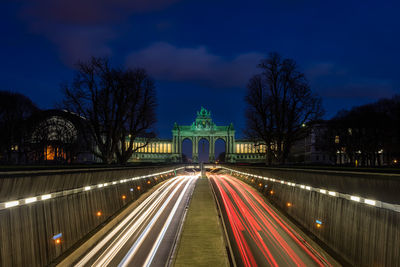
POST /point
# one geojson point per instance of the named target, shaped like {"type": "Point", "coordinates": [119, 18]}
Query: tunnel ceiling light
{"type": "Point", "coordinates": [331, 193]}
{"type": "Point", "coordinates": [308, 188]}
{"type": "Point", "coordinates": [100, 185]}
{"type": "Point", "coordinates": [44, 197]}
{"type": "Point", "coordinates": [323, 191]}
{"type": "Point", "coordinates": [370, 202]}
{"type": "Point", "coordinates": [354, 198]}
{"type": "Point", "coordinates": [87, 188]}
{"type": "Point", "coordinates": [11, 204]}
{"type": "Point", "coordinates": [302, 186]}
{"type": "Point", "coordinates": [30, 200]}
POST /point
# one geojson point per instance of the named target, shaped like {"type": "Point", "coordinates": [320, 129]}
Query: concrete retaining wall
{"type": "Point", "coordinates": [26, 231]}
{"type": "Point", "coordinates": [363, 235]}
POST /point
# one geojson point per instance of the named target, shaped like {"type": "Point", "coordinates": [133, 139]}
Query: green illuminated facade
{"type": "Point", "coordinates": [202, 128]}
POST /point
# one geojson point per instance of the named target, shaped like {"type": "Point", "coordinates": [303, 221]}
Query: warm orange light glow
{"type": "Point", "coordinates": [271, 192]}
{"type": "Point", "coordinates": [260, 184]}
{"type": "Point", "coordinates": [98, 213]}
{"type": "Point", "coordinates": [395, 161]}
{"type": "Point", "coordinates": [148, 182]}
{"type": "Point", "coordinates": [138, 188]}
{"type": "Point", "coordinates": [123, 196]}
{"type": "Point", "coordinates": [289, 204]}
{"type": "Point", "coordinates": [252, 180]}
{"type": "Point", "coordinates": [57, 241]}
{"type": "Point", "coordinates": [49, 153]}
{"type": "Point", "coordinates": [318, 225]}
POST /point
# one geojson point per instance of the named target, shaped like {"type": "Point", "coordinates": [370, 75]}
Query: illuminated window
{"type": "Point", "coordinates": [337, 139]}
{"type": "Point", "coordinates": [169, 147]}
{"type": "Point", "coordinates": [49, 153]}
{"type": "Point", "coordinates": [237, 148]}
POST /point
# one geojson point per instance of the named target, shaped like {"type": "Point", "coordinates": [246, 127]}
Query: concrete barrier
{"type": "Point", "coordinates": [35, 207]}
{"type": "Point", "coordinates": [333, 206]}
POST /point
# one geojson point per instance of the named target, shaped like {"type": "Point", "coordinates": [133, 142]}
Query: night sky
{"type": "Point", "coordinates": [202, 53]}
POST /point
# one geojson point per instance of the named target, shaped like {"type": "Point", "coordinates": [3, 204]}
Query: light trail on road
{"type": "Point", "coordinates": [261, 237]}
{"type": "Point", "coordinates": [146, 236]}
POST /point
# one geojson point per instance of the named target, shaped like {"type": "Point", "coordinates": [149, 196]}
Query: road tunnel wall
{"type": "Point", "coordinates": [76, 197]}
{"type": "Point", "coordinates": [364, 235]}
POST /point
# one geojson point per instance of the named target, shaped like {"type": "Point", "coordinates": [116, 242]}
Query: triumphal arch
{"type": "Point", "coordinates": [203, 128]}
{"type": "Point", "coordinates": [167, 150]}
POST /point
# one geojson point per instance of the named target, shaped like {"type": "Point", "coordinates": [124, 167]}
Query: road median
{"type": "Point", "coordinates": [202, 241]}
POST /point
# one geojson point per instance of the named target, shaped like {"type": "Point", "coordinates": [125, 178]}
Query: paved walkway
{"type": "Point", "coordinates": [202, 242]}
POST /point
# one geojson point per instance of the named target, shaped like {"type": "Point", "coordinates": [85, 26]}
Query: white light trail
{"type": "Point", "coordinates": [129, 220]}
{"type": "Point", "coordinates": [166, 225]}
{"type": "Point", "coordinates": [132, 251]}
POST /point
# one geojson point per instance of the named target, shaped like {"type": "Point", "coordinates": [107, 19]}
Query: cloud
{"type": "Point", "coordinates": [167, 62]}
{"type": "Point", "coordinates": [83, 28]}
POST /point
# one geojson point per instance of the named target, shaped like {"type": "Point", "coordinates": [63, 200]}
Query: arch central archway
{"type": "Point", "coordinates": [187, 150]}
{"type": "Point", "coordinates": [220, 149]}
{"type": "Point", "coordinates": [203, 128]}
{"type": "Point", "coordinates": [204, 150]}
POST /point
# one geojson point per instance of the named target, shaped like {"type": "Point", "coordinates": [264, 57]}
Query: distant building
{"type": "Point", "coordinates": [56, 136]}
{"type": "Point", "coordinates": [170, 150]}
{"type": "Point", "coordinates": [311, 150]}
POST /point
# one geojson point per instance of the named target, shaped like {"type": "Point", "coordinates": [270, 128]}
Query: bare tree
{"type": "Point", "coordinates": [281, 106]}
{"type": "Point", "coordinates": [139, 102]}
{"type": "Point", "coordinates": [116, 104]}
{"type": "Point", "coordinates": [15, 108]}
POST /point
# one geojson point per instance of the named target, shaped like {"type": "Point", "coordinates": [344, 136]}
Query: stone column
{"type": "Point", "coordinates": [195, 153]}
{"type": "Point", "coordinates": [180, 148]}
{"type": "Point", "coordinates": [211, 156]}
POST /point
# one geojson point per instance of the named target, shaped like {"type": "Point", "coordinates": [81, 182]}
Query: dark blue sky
{"type": "Point", "coordinates": [202, 53]}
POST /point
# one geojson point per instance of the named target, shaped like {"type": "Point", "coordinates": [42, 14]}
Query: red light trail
{"type": "Point", "coordinates": [261, 236]}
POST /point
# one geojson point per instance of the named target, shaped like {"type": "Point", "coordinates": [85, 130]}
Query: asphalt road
{"type": "Point", "coordinates": [146, 236]}
{"type": "Point", "coordinates": [258, 234]}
